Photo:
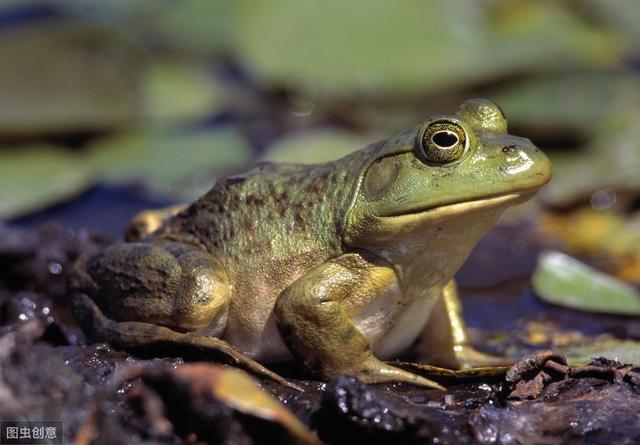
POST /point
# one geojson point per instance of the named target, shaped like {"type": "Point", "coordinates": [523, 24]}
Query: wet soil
{"type": "Point", "coordinates": [49, 371]}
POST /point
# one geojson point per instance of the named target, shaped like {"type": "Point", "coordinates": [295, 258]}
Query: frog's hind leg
{"type": "Point", "coordinates": [173, 284]}
{"type": "Point", "coordinates": [139, 336]}
{"type": "Point", "coordinates": [444, 341]}
{"type": "Point", "coordinates": [144, 223]}
{"type": "Point", "coordinates": [316, 326]}
{"type": "Point", "coordinates": [151, 298]}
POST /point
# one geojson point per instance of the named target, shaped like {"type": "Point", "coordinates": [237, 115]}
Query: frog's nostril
{"type": "Point", "coordinates": [509, 148]}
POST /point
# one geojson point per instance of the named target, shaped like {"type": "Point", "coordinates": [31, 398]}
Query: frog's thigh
{"type": "Point", "coordinates": [140, 336]}
{"type": "Point", "coordinates": [172, 284]}
{"type": "Point", "coordinates": [444, 341]}
{"type": "Point", "coordinates": [314, 322]}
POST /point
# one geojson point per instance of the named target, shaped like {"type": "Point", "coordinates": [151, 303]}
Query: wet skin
{"type": "Point", "coordinates": [339, 266]}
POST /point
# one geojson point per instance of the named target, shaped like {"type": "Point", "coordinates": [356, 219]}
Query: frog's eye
{"type": "Point", "coordinates": [443, 141]}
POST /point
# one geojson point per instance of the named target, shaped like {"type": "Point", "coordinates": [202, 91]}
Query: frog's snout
{"type": "Point", "coordinates": [525, 162]}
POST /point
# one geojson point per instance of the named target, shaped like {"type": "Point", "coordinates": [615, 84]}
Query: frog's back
{"type": "Point", "coordinates": [270, 209]}
{"type": "Point", "coordinates": [268, 227]}
{"type": "Point", "coordinates": [271, 223]}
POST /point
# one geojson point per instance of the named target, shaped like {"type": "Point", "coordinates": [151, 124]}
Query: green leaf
{"type": "Point", "coordinates": [565, 281]}
{"type": "Point", "coordinates": [314, 147]}
{"type": "Point", "coordinates": [624, 351]}
{"type": "Point", "coordinates": [178, 93]}
{"type": "Point", "coordinates": [577, 101]}
{"type": "Point", "coordinates": [64, 77]}
{"type": "Point", "coordinates": [181, 165]}
{"type": "Point", "coordinates": [611, 158]}
{"type": "Point", "coordinates": [32, 177]}
{"type": "Point", "coordinates": [621, 15]}
{"type": "Point", "coordinates": [188, 27]}
{"type": "Point", "coordinates": [199, 27]}
{"type": "Point", "coordinates": [370, 46]}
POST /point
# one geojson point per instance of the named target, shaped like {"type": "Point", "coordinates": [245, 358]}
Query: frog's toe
{"type": "Point", "coordinates": [376, 371]}
{"type": "Point", "coordinates": [469, 357]}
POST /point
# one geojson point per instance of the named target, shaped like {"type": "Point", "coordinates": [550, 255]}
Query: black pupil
{"type": "Point", "coordinates": [445, 139]}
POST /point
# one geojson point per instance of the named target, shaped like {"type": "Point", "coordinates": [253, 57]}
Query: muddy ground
{"type": "Point", "coordinates": [48, 371]}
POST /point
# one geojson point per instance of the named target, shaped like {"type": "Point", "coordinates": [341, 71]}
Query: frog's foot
{"type": "Point", "coordinates": [377, 371]}
{"type": "Point", "coordinates": [444, 341]}
{"type": "Point", "coordinates": [468, 357]}
{"type": "Point", "coordinates": [148, 221]}
{"type": "Point", "coordinates": [139, 336]}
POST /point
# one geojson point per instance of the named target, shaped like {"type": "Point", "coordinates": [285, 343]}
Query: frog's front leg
{"type": "Point", "coordinates": [444, 341]}
{"type": "Point", "coordinates": [316, 327]}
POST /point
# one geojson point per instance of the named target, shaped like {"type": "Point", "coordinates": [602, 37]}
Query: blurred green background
{"type": "Point", "coordinates": [107, 107]}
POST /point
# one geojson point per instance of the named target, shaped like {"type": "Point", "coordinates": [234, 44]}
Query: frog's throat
{"type": "Point", "coordinates": [464, 207]}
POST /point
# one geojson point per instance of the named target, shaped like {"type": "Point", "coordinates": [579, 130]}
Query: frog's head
{"type": "Point", "coordinates": [441, 185]}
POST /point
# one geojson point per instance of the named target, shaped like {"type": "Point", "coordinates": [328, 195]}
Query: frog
{"type": "Point", "coordinates": [337, 267]}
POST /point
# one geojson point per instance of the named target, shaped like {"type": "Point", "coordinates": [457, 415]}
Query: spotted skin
{"type": "Point", "coordinates": [338, 266]}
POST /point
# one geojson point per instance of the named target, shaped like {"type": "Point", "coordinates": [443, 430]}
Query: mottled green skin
{"type": "Point", "coordinates": [264, 245]}
{"type": "Point", "coordinates": [242, 219]}
{"type": "Point", "coordinates": [329, 263]}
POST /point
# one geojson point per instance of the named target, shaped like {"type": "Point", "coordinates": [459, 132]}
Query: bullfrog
{"type": "Point", "coordinates": [337, 266]}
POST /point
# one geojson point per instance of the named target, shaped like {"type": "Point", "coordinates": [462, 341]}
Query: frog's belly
{"type": "Point", "coordinates": [389, 320]}
{"type": "Point", "coordinates": [392, 321]}
{"type": "Point", "coordinates": [256, 334]}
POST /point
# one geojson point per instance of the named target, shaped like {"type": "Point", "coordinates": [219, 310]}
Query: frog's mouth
{"type": "Point", "coordinates": [459, 208]}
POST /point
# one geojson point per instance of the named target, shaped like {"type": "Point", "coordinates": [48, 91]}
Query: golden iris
{"type": "Point", "coordinates": [443, 142]}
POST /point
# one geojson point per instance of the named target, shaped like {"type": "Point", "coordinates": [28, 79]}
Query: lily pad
{"type": "Point", "coordinates": [364, 46]}
{"type": "Point", "coordinates": [593, 231]}
{"type": "Point", "coordinates": [576, 101]}
{"type": "Point", "coordinates": [34, 176]}
{"type": "Point", "coordinates": [609, 161]}
{"type": "Point", "coordinates": [563, 280]}
{"type": "Point", "coordinates": [192, 27]}
{"type": "Point", "coordinates": [314, 147]}
{"type": "Point", "coordinates": [622, 15]}
{"type": "Point", "coordinates": [181, 165]}
{"type": "Point", "coordinates": [174, 164]}
{"type": "Point", "coordinates": [198, 27]}
{"type": "Point", "coordinates": [176, 93]}
{"type": "Point", "coordinates": [624, 351]}
{"type": "Point", "coordinates": [63, 76]}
